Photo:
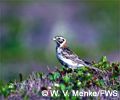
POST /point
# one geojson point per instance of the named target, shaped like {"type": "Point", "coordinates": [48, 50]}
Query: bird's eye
{"type": "Point", "coordinates": [61, 40]}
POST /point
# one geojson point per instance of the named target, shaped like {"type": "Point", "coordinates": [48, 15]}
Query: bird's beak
{"type": "Point", "coordinates": [54, 39]}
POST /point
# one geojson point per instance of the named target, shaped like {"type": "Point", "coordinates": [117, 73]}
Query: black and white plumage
{"type": "Point", "coordinates": [67, 57]}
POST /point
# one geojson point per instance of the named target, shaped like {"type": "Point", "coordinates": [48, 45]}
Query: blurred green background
{"type": "Point", "coordinates": [27, 28]}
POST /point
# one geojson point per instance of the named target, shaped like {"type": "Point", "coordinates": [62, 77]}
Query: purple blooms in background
{"type": "Point", "coordinates": [91, 29]}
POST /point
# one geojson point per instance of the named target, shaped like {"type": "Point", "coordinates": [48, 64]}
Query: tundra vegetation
{"type": "Point", "coordinates": [64, 79]}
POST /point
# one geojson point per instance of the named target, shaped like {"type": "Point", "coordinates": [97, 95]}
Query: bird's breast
{"type": "Point", "coordinates": [62, 58]}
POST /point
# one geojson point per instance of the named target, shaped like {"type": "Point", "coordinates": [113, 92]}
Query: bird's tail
{"type": "Point", "coordinates": [94, 68]}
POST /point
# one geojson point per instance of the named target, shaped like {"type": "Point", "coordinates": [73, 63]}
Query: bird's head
{"type": "Point", "coordinates": [60, 41]}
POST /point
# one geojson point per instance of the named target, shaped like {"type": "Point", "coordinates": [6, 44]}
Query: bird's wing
{"type": "Point", "coordinates": [72, 56]}
{"type": "Point", "coordinates": [68, 54]}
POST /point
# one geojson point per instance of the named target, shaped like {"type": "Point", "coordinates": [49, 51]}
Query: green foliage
{"type": "Point", "coordinates": [54, 76]}
{"type": "Point", "coordinates": [66, 79]}
{"type": "Point", "coordinates": [7, 89]}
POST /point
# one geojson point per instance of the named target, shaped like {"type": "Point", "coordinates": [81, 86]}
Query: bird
{"type": "Point", "coordinates": [67, 57]}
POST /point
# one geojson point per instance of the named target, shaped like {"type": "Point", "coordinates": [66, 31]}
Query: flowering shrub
{"type": "Point", "coordinates": [64, 79]}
